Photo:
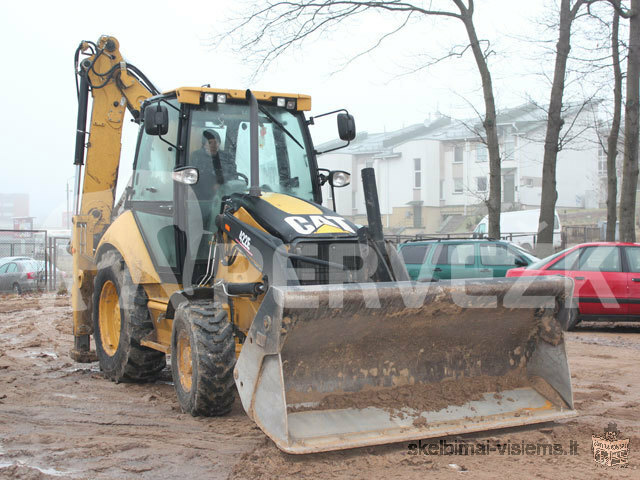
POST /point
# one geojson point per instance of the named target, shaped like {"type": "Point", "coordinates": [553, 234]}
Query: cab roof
{"type": "Point", "coordinates": [192, 95]}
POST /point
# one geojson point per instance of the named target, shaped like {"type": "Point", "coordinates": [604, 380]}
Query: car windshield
{"type": "Point", "coordinates": [283, 155]}
{"type": "Point", "coordinates": [541, 263]}
{"type": "Point", "coordinates": [524, 253]}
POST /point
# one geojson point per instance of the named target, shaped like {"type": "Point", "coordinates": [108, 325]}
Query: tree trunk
{"type": "Point", "coordinates": [612, 140]}
{"type": "Point", "coordinates": [630, 167]}
{"type": "Point", "coordinates": [544, 245]}
{"type": "Point", "coordinates": [491, 129]}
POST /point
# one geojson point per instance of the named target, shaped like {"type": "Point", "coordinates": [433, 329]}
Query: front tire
{"type": "Point", "coordinates": [202, 359]}
{"type": "Point", "coordinates": [120, 321]}
{"type": "Point", "coordinates": [16, 289]}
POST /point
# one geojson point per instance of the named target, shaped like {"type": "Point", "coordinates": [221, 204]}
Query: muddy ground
{"type": "Point", "coordinates": [59, 419]}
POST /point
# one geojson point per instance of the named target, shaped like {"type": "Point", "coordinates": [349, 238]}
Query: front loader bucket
{"type": "Point", "coordinates": [330, 367]}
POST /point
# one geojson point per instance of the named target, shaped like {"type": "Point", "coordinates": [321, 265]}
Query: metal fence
{"type": "Point", "coordinates": [571, 235]}
{"type": "Point", "coordinates": [575, 234]}
{"type": "Point", "coordinates": [54, 261]}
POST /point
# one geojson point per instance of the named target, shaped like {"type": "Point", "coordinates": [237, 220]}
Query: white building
{"type": "Point", "coordinates": [429, 172]}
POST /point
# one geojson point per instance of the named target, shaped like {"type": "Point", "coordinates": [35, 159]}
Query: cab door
{"type": "Point", "coordinates": [151, 194]}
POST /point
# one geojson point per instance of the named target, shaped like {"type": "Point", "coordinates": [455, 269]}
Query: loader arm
{"type": "Point", "coordinates": [114, 86]}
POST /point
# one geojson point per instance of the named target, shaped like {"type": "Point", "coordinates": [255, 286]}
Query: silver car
{"type": "Point", "coordinates": [18, 274]}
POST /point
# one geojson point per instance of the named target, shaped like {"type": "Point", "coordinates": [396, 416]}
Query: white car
{"type": "Point", "coordinates": [521, 228]}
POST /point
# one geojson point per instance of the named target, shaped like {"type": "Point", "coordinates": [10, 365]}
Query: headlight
{"type": "Point", "coordinates": [188, 176]}
{"type": "Point", "coordinates": [340, 178]}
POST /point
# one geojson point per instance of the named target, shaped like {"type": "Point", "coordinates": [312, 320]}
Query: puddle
{"type": "Point", "coordinates": [609, 342]}
{"type": "Point", "coordinates": [65, 395]}
{"type": "Point", "coordinates": [46, 471]}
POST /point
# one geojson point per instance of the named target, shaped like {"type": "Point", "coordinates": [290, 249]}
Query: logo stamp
{"type": "Point", "coordinates": [609, 449]}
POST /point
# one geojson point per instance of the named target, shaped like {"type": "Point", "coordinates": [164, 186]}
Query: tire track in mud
{"type": "Point", "coordinates": [64, 420]}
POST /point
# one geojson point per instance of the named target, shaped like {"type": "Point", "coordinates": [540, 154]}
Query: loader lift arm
{"type": "Point", "coordinates": [114, 85]}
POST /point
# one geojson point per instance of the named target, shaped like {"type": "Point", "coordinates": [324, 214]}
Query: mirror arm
{"type": "Point", "coordinates": [333, 196]}
{"type": "Point", "coordinates": [333, 149]}
{"type": "Point", "coordinates": [311, 119]}
{"type": "Point", "coordinates": [177, 147]}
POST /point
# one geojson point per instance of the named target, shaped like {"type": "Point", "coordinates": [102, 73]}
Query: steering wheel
{"type": "Point", "coordinates": [242, 176]}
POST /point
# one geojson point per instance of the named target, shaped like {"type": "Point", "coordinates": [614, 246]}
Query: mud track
{"type": "Point", "coordinates": [59, 419]}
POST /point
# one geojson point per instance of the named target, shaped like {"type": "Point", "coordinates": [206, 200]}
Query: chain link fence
{"type": "Point", "coordinates": [49, 253]}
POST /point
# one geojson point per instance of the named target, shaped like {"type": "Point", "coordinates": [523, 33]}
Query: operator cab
{"type": "Point", "coordinates": [180, 176]}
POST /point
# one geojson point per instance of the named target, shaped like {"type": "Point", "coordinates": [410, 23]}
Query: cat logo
{"type": "Point", "coordinates": [317, 224]}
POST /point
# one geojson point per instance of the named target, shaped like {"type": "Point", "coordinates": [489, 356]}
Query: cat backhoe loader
{"type": "Point", "coordinates": [221, 254]}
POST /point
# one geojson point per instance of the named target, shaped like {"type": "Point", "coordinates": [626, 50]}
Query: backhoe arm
{"type": "Point", "coordinates": [114, 86]}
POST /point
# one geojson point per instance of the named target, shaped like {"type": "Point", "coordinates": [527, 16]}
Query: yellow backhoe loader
{"type": "Point", "coordinates": [221, 254]}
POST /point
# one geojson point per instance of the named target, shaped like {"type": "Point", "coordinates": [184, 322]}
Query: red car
{"type": "Point", "coordinates": [606, 276]}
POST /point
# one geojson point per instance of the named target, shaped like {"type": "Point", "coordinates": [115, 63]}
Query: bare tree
{"type": "Point", "coordinates": [555, 123]}
{"type": "Point", "coordinates": [631, 126]}
{"type": "Point", "coordinates": [612, 139]}
{"type": "Point", "coordinates": [274, 28]}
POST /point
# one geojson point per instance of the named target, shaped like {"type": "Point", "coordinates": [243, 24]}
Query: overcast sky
{"type": "Point", "coordinates": [169, 42]}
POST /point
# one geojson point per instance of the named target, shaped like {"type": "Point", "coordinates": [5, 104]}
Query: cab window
{"type": "Point", "coordinates": [152, 179]}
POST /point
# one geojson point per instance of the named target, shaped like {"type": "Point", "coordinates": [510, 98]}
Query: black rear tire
{"type": "Point", "coordinates": [131, 361]}
{"type": "Point", "coordinates": [202, 337]}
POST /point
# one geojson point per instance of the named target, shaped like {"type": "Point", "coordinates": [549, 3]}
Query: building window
{"type": "Point", "coordinates": [482, 154]}
{"type": "Point", "coordinates": [457, 185]}
{"type": "Point", "coordinates": [481, 184]}
{"type": "Point", "coordinates": [509, 147]}
{"type": "Point", "coordinates": [417, 216]}
{"type": "Point", "coordinates": [602, 161]}
{"type": "Point", "coordinates": [441, 189]}
{"type": "Point", "coordinates": [417, 173]}
{"type": "Point", "coordinates": [458, 153]}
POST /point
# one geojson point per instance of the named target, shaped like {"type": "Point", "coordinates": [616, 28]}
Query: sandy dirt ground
{"type": "Point", "coordinates": [59, 419]}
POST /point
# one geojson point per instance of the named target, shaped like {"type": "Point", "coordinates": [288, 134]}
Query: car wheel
{"type": "Point", "coordinates": [527, 247]}
{"type": "Point", "coordinates": [16, 289]}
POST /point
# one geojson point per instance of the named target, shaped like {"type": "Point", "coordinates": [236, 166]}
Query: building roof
{"type": "Point", "coordinates": [524, 119]}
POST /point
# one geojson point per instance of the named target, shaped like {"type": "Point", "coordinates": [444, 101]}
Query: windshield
{"type": "Point", "coordinates": [538, 265]}
{"type": "Point", "coordinates": [524, 253]}
{"type": "Point", "coordinates": [219, 147]}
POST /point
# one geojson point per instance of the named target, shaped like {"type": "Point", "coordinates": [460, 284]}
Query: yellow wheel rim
{"type": "Point", "coordinates": [185, 366]}
{"type": "Point", "coordinates": [109, 318]}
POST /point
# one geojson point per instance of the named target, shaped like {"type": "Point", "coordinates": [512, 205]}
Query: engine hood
{"type": "Point", "coordinates": [288, 217]}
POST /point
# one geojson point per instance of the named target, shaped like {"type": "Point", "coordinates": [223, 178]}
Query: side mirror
{"type": "Point", "coordinates": [520, 263]}
{"type": "Point", "coordinates": [346, 127]}
{"type": "Point", "coordinates": [156, 120]}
